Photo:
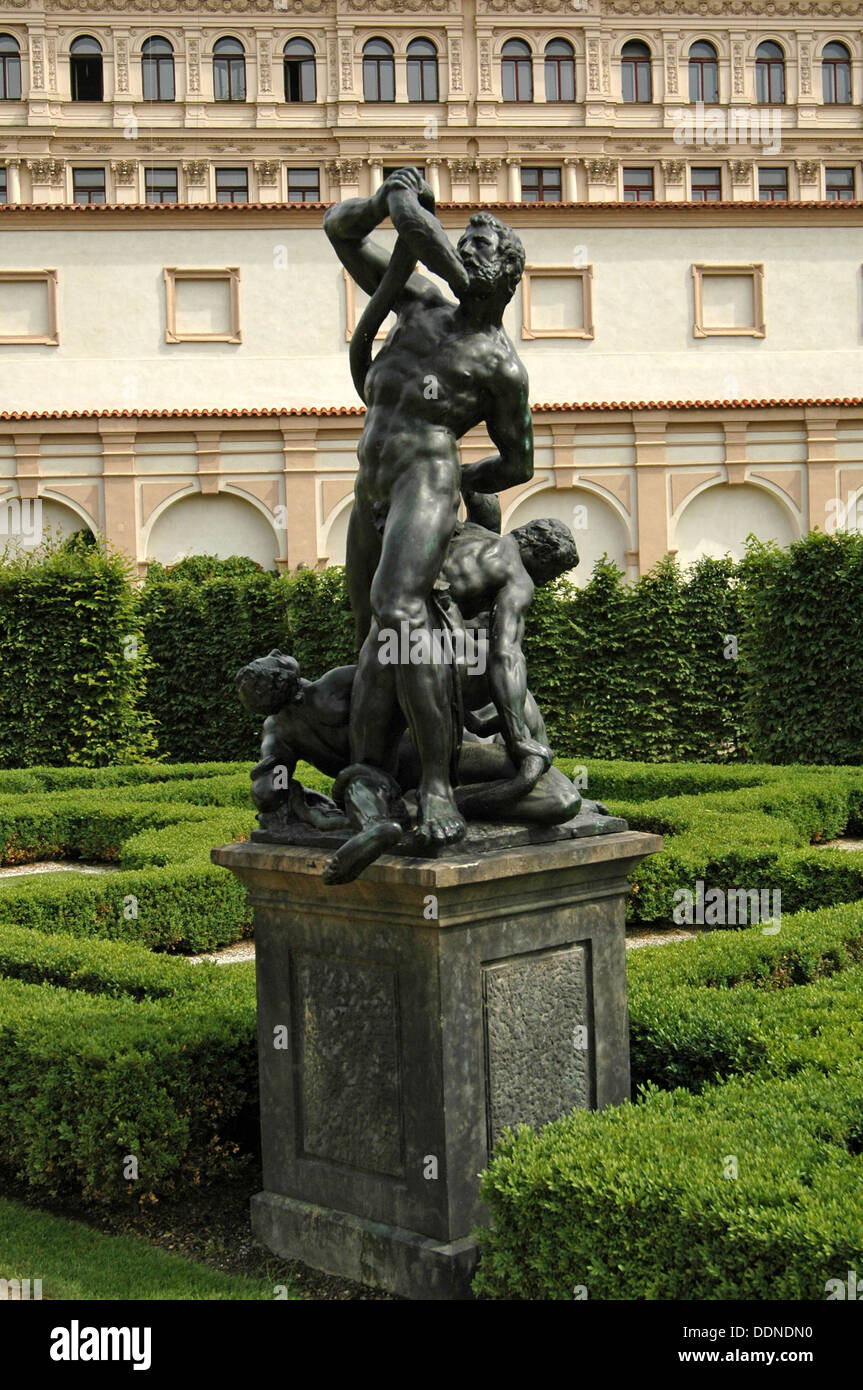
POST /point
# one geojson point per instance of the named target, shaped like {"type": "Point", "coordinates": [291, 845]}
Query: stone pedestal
{"type": "Point", "coordinates": [406, 1018]}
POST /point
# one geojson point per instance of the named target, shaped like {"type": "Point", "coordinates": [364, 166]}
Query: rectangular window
{"type": "Point", "coordinates": [202, 306]}
{"type": "Point", "coordinates": [557, 302]}
{"type": "Point", "coordinates": [540, 185]}
{"type": "Point", "coordinates": [88, 185]}
{"type": "Point", "coordinates": [232, 185]}
{"type": "Point", "coordinates": [772, 185]}
{"type": "Point", "coordinates": [706, 185]}
{"type": "Point", "coordinates": [4, 190]}
{"type": "Point", "coordinates": [638, 185]}
{"type": "Point", "coordinates": [28, 307]}
{"type": "Point", "coordinates": [299, 79]}
{"type": "Point", "coordinates": [729, 301]}
{"type": "Point", "coordinates": [161, 185]}
{"type": "Point", "coordinates": [304, 186]}
{"type": "Point", "coordinates": [636, 78]}
{"type": "Point", "coordinates": [839, 185]}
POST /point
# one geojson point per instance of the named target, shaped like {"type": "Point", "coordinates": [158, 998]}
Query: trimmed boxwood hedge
{"type": "Point", "coordinates": [750, 1189]}
{"type": "Point", "coordinates": [109, 1050]}
{"type": "Point", "coordinates": [86, 1081]}
{"type": "Point", "coordinates": [638, 1202]}
{"type": "Point", "coordinates": [755, 836]}
{"type": "Point", "coordinates": [98, 967]}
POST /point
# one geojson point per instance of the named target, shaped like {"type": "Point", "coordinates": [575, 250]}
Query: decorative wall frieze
{"type": "Point", "coordinates": [397, 6]}
{"type": "Point", "coordinates": [777, 10]}
{"type": "Point", "coordinates": [267, 171]}
{"type": "Point", "coordinates": [461, 169]}
{"type": "Point", "coordinates": [738, 75]}
{"type": "Point", "coordinates": [124, 171]}
{"type": "Point", "coordinates": [37, 60]}
{"type": "Point", "coordinates": [265, 68]}
{"type": "Point", "coordinates": [195, 171]}
{"type": "Point", "coordinates": [805, 68]}
{"type": "Point", "coordinates": [672, 87]}
{"type": "Point", "coordinates": [344, 170]}
{"type": "Point", "coordinates": [46, 171]}
{"type": "Point", "coordinates": [601, 170]}
{"type": "Point", "coordinates": [485, 65]}
{"type": "Point", "coordinates": [121, 50]}
{"type": "Point", "coordinates": [535, 6]}
{"type": "Point", "coordinates": [290, 7]}
{"type": "Point", "coordinates": [346, 64]}
{"type": "Point", "coordinates": [456, 78]}
{"type": "Point", "coordinates": [594, 73]}
{"type": "Point", "coordinates": [193, 63]}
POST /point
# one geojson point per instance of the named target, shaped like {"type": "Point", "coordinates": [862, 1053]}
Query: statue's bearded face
{"type": "Point", "coordinates": [479, 250]}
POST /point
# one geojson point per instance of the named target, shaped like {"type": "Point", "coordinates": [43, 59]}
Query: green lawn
{"type": "Point", "coordinates": [75, 1262]}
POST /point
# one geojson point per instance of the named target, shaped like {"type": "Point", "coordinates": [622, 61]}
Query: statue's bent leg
{"type": "Point", "coordinates": [490, 789]}
{"type": "Point", "coordinates": [374, 808]}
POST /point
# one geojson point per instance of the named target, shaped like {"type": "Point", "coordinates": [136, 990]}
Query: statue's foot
{"type": "Point", "coordinates": [361, 850]}
{"type": "Point", "coordinates": [439, 820]}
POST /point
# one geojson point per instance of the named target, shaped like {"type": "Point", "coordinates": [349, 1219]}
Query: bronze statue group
{"type": "Point", "coordinates": [435, 725]}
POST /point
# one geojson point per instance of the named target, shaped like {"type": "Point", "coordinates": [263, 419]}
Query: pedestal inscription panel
{"type": "Point", "coordinates": [346, 1022]}
{"type": "Point", "coordinates": [538, 1038]}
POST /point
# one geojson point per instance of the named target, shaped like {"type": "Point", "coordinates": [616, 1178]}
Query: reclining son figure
{"type": "Point", "coordinates": [489, 582]}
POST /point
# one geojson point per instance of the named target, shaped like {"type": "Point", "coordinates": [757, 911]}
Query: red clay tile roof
{"type": "Point", "coordinates": [544, 209]}
{"type": "Point", "coordinates": [539, 408]}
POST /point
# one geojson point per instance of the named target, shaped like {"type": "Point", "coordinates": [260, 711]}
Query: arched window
{"type": "Point", "coordinates": [229, 70]}
{"type": "Point", "coordinates": [85, 62]}
{"type": "Point", "coordinates": [516, 71]}
{"type": "Point", "coordinates": [422, 70]}
{"type": "Point", "coordinates": [703, 72]}
{"type": "Point", "coordinates": [770, 73]}
{"type": "Point", "coordinates": [836, 74]}
{"type": "Point", "coordinates": [635, 71]}
{"type": "Point", "coordinates": [300, 71]}
{"type": "Point", "coordinates": [157, 69]}
{"type": "Point", "coordinates": [559, 70]}
{"type": "Point", "coordinates": [10, 69]}
{"type": "Point", "coordinates": [379, 71]}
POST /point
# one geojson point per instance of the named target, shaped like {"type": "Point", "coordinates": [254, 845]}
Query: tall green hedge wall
{"type": "Point", "coordinates": [70, 680]}
{"type": "Point", "coordinates": [761, 659]}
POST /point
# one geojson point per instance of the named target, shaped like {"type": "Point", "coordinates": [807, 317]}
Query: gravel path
{"type": "Point", "coordinates": [44, 866]}
{"type": "Point", "coordinates": [228, 955]}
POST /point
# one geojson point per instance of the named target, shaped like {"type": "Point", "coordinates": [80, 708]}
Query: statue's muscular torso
{"type": "Point", "coordinates": [435, 378]}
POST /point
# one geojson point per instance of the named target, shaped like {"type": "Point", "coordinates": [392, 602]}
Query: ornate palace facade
{"type": "Point", "coordinates": [499, 100]}
{"type": "Point", "coordinates": [173, 325]}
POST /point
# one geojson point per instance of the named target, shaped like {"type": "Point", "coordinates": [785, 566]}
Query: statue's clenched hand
{"type": "Point", "coordinates": [412, 181]}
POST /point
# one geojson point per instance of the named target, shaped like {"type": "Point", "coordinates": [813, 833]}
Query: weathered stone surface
{"type": "Point", "coordinates": [426, 1005]}
{"type": "Point", "coordinates": [349, 1065]}
{"type": "Point", "coordinates": [537, 1026]}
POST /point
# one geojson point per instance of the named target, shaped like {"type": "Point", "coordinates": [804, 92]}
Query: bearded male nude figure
{"type": "Point", "coordinates": [445, 368]}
